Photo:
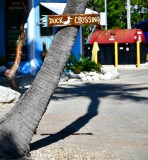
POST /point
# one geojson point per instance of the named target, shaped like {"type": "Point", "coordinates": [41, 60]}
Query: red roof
{"type": "Point", "coordinates": [117, 35]}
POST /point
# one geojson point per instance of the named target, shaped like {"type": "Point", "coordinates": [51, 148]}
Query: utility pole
{"type": "Point", "coordinates": [105, 6]}
{"type": "Point", "coordinates": [128, 15]}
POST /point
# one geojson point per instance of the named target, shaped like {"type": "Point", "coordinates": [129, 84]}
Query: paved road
{"type": "Point", "coordinates": [107, 120]}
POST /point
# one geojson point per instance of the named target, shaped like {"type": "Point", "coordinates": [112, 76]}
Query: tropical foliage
{"type": "Point", "coordinates": [116, 11]}
{"type": "Point", "coordinates": [82, 64]}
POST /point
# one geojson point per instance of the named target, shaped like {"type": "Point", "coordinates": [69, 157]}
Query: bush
{"type": "Point", "coordinates": [82, 64]}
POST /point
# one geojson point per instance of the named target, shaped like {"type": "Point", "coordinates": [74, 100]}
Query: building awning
{"type": "Point", "coordinates": [58, 8]}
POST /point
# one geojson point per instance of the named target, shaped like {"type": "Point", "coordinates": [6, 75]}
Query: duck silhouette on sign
{"type": "Point", "coordinates": [68, 21]}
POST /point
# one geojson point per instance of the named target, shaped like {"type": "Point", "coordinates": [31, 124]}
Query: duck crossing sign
{"type": "Point", "coordinates": [69, 20]}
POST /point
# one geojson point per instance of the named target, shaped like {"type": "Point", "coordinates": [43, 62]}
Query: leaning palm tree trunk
{"type": "Point", "coordinates": [19, 124]}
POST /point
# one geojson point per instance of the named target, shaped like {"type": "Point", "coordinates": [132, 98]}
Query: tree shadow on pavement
{"type": "Point", "coordinates": [92, 111]}
{"type": "Point", "coordinates": [94, 92]}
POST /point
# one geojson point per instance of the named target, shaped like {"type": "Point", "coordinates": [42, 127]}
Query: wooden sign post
{"type": "Point", "coordinates": [69, 20]}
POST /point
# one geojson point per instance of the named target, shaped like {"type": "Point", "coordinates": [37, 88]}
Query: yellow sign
{"type": "Point", "coordinates": [70, 20]}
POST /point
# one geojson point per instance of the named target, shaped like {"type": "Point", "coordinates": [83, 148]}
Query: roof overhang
{"type": "Point", "coordinates": [58, 8]}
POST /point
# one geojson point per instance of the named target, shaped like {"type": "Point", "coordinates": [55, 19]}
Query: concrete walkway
{"type": "Point", "coordinates": [107, 120]}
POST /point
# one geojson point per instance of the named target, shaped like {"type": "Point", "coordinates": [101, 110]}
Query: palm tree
{"type": "Point", "coordinates": [19, 124]}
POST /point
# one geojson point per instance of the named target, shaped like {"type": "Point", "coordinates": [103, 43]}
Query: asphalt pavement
{"type": "Point", "coordinates": [106, 119]}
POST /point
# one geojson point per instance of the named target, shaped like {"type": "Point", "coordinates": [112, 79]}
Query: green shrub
{"type": "Point", "coordinates": [82, 64]}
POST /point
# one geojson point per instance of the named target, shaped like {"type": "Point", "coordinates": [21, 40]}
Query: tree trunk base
{"type": "Point", "coordinates": [14, 84]}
